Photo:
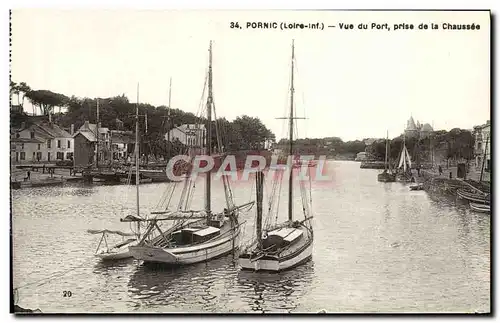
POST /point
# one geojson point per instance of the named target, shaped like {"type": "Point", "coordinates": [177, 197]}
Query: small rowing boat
{"type": "Point", "coordinates": [474, 197]}
{"type": "Point", "coordinates": [482, 208]}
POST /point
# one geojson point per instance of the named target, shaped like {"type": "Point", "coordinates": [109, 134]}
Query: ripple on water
{"type": "Point", "coordinates": [378, 247]}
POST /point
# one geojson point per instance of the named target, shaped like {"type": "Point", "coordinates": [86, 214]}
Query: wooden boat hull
{"type": "Point", "coordinates": [417, 187]}
{"type": "Point", "coordinates": [477, 198]}
{"type": "Point", "coordinates": [156, 176]}
{"type": "Point", "coordinates": [386, 178]}
{"type": "Point", "coordinates": [482, 208]}
{"type": "Point", "coordinates": [278, 263]}
{"type": "Point", "coordinates": [187, 255]}
{"type": "Point", "coordinates": [114, 255]}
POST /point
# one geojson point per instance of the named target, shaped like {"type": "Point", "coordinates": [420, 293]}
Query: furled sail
{"type": "Point", "coordinates": [404, 159]}
{"type": "Point", "coordinates": [408, 158]}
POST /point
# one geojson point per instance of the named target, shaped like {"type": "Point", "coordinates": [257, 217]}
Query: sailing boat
{"type": "Point", "coordinates": [386, 176]}
{"type": "Point", "coordinates": [195, 236]}
{"type": "Point", "coordinates": [288, 244]}
{"type": "Point", "coordinates": [120, 250]}
{"type": "Point", "coordinates": [404, 165]}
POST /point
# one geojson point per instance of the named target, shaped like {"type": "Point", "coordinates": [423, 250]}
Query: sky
{"type": "Point", "coordinates": [352, 84]}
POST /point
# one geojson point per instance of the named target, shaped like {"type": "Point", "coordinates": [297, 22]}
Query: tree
{"type": "Point", "coordinates": [46, 100]}
{"type": "Point", "coordinates": [377, 149]}
{"type": "Point", "coordinates": [24, 89]}
{"type": "Point", "coordinates": [14, 89]}
{"type": "Point", "coordinates": [253, 132]}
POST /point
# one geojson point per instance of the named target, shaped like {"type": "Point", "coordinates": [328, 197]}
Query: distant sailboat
{"type": "Point", "coordinates": [283, 245]}
{"type": "Point", "coordinates": [404, 166]}
{"type": "Point", "coordinates": [387, 175]}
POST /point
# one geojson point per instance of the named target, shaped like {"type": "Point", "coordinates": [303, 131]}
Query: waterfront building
{"type": "Point", "coordinates": [122, 143]}
{"type": "Point", "coordinates": [41, 141]}
{"type": "Point", "coordinates": [85, 151]}
{"type": "Point", "coordinates": [482, 152]}
{"type": "Point", "coordinates": [192, 135]}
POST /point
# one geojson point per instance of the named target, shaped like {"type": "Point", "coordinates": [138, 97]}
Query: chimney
{"type": "Point", "coordinates": [72, 129]}
{"type": "Point", "coordinates": [86, 124]}
{"type": "Point", "coordinates": [488, 122]}
{"type": "Point", "coordinates": [50, 117]}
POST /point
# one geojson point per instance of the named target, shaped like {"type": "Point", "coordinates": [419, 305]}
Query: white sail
{"type": "Point", "coordinates": [402, 158]}
{"type": "Point", "coordinates": [405, 159]}
{"type": "Point", "coordinates": [408, 158]}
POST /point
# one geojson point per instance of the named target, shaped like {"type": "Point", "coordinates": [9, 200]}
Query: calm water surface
{"type": "Point", "coordinates": [378, 248]}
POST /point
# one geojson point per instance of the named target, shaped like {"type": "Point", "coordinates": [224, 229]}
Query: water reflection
{"type": "Point", "coordinates": [275, 292]}
{"type": "Point", "coordinates": [378, 247]}
{"type": "Point", "coordinates": [194, 287]}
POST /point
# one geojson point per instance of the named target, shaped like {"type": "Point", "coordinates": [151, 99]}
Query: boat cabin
{"type": "Point", "coordinates": [188, 236]}
{"type": "Point", "coordinates": [281, 238]}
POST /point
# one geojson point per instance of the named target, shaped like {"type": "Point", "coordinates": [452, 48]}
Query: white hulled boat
{"type": "Point", "coordinates": [280, 246]}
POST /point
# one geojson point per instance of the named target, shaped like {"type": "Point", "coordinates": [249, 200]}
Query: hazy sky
{"type": "Point", "coordinates": [352, 84]}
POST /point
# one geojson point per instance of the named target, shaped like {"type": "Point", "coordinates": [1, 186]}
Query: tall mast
{"type": "Point", "coordinates": [137, 149]}
{"type": "Point", "coordinates": [97, 135]}
{"type": "Point", "coordinates": [259, 179]}
{"type": "Point", "coordinates": [290, 179]}
{"type": "Point", "coordinates": [209, 132]}
{"type": "Point", "coordinates": [168, 112]}
{"type": "Point", "coordinates": [404, 152]}
{"type": "Point", "coordinates": [386, 149]}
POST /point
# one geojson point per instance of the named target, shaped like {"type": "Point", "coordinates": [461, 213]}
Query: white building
{"type": "Point", "coordinates": [41, 141]}
{"type": "Point", "coordinates": [192, 135]}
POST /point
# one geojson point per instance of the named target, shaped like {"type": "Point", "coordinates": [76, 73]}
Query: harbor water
{"type": "Point", "coordinates": [378, 247]}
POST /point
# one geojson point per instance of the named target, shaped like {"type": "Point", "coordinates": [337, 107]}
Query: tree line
{"type": "Point", "coordinates": [243, 133]}
{"type": "Point", "coordinates": [454, 144]}
{"type": "Point", "coordinates": [329, 146]}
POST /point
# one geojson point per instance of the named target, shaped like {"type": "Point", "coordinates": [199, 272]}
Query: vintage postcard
{"type": "Point", "coordinates": [267, 161]}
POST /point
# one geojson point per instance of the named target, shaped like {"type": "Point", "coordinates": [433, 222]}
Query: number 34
{"type": "Point", "coordinates": [234, 25]}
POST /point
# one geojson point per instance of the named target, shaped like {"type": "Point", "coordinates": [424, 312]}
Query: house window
{"type": "Point", "coordinates": [22, 155]}
{"type": "Point", "coordinates": [39, 155]}
{"type": "Point", "coordinates": [69, 144]}
{"type": "Point", "coordinates": [49, 144]}
{"type": "Point", "coordinates": [22, 145]}
{"type": "Point", "coordinates": [59, 144]}
{"type": "Point", "coordinates": [48, 156]}
{"type": "Point", "coordinates": [69, 156]}
{"type": "Point", "coordinates": [60, 155]}
{"type": "Point", "coordinates": [33, 156]}
{"type": "Point", "coordinates": [32, 134]}
{"type": "Point", "coordinates": [38, 146]}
